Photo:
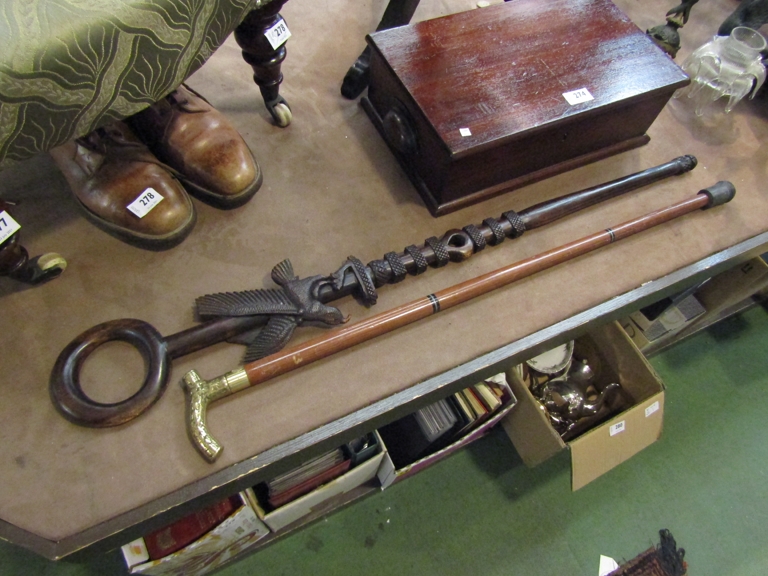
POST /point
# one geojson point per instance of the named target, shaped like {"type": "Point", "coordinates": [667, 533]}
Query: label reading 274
{"type": "Point", "coordinates": [8, 226]}
{"type": "Point", "coordinates": [278, 34]}
{"type": "Point", "coordinates": [578, 96]}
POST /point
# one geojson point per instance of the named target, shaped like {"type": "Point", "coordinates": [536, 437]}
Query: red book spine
{"type": "Point", "coordinates": [277, 500]}
{"type": "Point", "coordinates": [168, 540]}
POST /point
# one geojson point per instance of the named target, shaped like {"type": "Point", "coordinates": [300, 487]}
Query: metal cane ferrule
{"type": "Point", "coordinates": [200, 393]}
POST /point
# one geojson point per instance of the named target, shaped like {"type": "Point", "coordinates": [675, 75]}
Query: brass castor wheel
{"type": "Point", "coordinates": [280, 112]}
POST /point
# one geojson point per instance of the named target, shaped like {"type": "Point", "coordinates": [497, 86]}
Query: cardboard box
{"type": "Point", "coordinates": [650, 334]}
{"type": "Point", "coordinates": [732, 286]}
{"type": "Point", "coordinates": [604, 447]}
{"type": "Point", "coordinates": [388, 474]}
{"type": "Point", "coordinates": [293, 511]}
{"type": "Point", "coordinates": [714, 297]}
{"type": "Point", "coordinates": [202, 556]}
{"type": "Point", "coordinates": [636, 334]}
{"type": "Point", "coordinates": [680, 313]}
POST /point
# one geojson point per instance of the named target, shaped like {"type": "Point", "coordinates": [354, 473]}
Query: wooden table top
{"type": "Point", "coordinates": [331, 189]}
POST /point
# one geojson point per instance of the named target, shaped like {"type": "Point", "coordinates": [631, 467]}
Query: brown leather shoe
{"type": "Point", "coordinates": [213, 161]}
{"type": "Point", "coordinates": [111, 168]}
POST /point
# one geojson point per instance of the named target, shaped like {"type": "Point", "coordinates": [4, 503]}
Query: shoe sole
{"type": "Point", "coordinates": [139, 240]}
{"type": "Point", "coordinates": [221, 201]}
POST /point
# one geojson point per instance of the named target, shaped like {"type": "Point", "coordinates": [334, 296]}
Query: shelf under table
{"type": "Point", "coordinates": [331, 189]}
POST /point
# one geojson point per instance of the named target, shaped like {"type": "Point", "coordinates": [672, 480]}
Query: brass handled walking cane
{"type": "Point", "coordinates": [265, 319]}
{"type": "Point", "coordinates": [200, 393]}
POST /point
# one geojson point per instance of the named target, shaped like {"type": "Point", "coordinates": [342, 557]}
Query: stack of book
{"type": "Point", "coordinates": [200, 542]}
{"type": "Point", "coordinates": [302, 480]}
{"type": "Point", "coordinates": [435, 426]}
{"type": "Point", "coordinates": [478, 403]}
{"type": "Point", "coordinates": [170, 539]}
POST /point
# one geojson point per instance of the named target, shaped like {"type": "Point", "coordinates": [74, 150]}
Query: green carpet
{"type": "Point", "coordinates": [482, 511]}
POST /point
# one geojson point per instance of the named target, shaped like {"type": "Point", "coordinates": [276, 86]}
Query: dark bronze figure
{"type": "Point", "coordinates": [397, 13]}
{"type": "Point", "coordinates": [750, 13]}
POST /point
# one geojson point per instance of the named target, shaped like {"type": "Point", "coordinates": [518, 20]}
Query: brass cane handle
{"type": "Point", "coordinates": [199, 394]}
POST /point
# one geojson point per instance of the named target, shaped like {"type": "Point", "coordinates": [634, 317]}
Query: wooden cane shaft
{"type": "Point", "coordinates": [323, 346]}
{"type": "Point", "coordinates": [475, 287]}
{"type": "Point", "coordinates": [336, 341]}
{"type": "Point", "coordinates": [552, 210]}
{"type": "Point", "coordinates": [511, 225]}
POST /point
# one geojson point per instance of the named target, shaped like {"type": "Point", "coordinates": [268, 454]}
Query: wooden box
{"type": "Point", "coordinates": [485, 101]}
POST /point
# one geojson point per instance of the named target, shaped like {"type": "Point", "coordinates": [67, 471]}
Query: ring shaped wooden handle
{"type": "Point", "coordinates": [67, 394]}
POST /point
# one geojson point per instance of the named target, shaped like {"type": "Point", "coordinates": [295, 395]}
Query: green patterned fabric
{"type": "Point", "coordinates": [70, 66]}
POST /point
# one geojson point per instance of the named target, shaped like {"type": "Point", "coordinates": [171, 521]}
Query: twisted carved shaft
{"type": "Point", "coordinates": [458, 245]}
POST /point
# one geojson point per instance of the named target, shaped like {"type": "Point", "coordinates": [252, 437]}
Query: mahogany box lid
{"type": "Point", "coordinates": [481, 78]}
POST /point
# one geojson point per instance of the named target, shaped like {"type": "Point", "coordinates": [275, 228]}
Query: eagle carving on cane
{"type": "Point", "coordinates": [295, 302]}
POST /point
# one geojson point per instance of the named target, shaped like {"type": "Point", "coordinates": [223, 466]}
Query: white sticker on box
{"type": "Point", "coordinates": [278, 34]}
{"type": "Point", "coordinates": [145, 202]}
{"type": "Point", "coordinates": [578, 96]}
{"type": "Point", "coordinates": [8, 226]}
{"type": "Point", "coordinates": [607, 565]}
{"type": "Point", "coordinates": [616, 428]}
{"type": "Point", "coordinates": [465, 131]}
{"type": "Point", "coordinates": [135, 552]}
{"type": "Point", "coordinates": [652, 408]}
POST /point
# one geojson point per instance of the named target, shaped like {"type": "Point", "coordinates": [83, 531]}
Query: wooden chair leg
{"type": "Point", "coordinates": [264, 59]}
{"type": "Point", "coordinates": [397, 13]}
{"type": "Point", "coordinates": [16, 263]}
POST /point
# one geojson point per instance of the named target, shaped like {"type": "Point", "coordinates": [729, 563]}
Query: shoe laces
{"type": "Point", "coordinates": [181, 101]}
{"type": "Point", "coordinates": [110, 137]}
{"type": "Point", "coordinates": [100, 140]}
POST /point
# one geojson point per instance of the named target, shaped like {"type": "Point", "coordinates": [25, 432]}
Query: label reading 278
{"type": "Point", "coordinates": [278, 34]}
{"type": "Point", "coordinates": [145, 202]}
{"type": "Point", "coordinates": [8, 226]}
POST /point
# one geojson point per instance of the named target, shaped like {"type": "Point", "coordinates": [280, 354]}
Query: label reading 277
{"type": "Point", "coordinates": [8, 226]}
{"type": "Point", "coordinates": [278, 34]}
{"type": "Point", "coordinates": [145, 202]}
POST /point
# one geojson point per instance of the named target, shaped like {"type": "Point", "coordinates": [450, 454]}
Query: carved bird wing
{"type": "Point", "coordinates": [283, 273]}
{"type": "Point", "coordinates": [272, 338]}
{"type": "Point", "coordinates": [246, 303]}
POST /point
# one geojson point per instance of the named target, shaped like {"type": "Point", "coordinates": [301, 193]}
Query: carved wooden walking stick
{"type": "Point", "coordinates": [239, 316]}
{"type": "Point", "coordinates": [200, 393]}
